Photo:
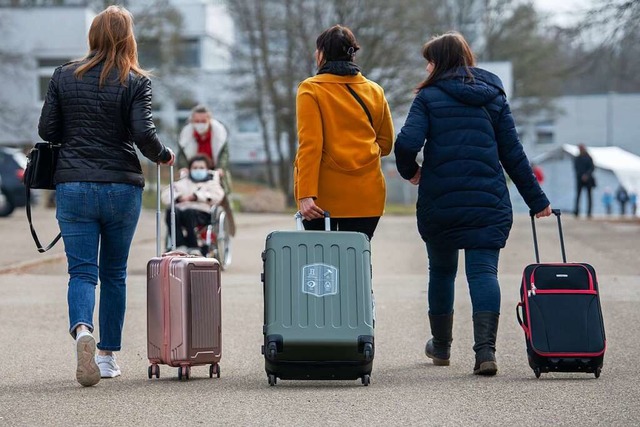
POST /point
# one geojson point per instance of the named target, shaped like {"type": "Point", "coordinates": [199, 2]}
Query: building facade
{"type": "Point", "coordinates": [192, 66]}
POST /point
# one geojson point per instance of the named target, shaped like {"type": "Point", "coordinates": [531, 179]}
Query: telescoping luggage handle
{"type": "Point", "coordinates": [327, 221]}
{"type": "Point", "coordinates": [159, 213]}
{"type": "Point", "coordinates": [557, 213]}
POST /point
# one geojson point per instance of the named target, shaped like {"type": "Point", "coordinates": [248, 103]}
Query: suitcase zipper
{"type": "Point", "coordinates": [533, 290]}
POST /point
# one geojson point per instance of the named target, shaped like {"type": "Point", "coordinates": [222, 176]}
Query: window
{"type": "Point", "coordinates": [188, 53]}
{"type": "Point", "coordinates": [46, 67]}
{"type": "Point", "coordinates": [182, 122]}
{"type": "Point", "coordinates": [248, 123]}
{"type": "Point", "coordinates": [149, 54]}
{"type": "Point", "coordinates": [544, 131]}
{"type": "Point", "coordinates": [43, 86]}
{"type": "Point", "coordinates": [184, 53]}
{"type": "Point", "coordinates": [52, 62]}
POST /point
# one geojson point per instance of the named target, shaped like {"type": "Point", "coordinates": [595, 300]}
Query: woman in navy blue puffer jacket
{"type": "Point", "coordinates": [461, 120]}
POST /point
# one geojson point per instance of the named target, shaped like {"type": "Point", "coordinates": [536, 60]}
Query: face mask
{"type": "Point", "coordinates": [201, 128]}
{"type": "Point", "coordinates": [199, 174]}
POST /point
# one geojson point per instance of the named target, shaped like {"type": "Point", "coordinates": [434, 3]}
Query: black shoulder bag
{"type": "Point", "coordinates": [41, 167]}
{"type": "Point", "coordinates": [362, 104]}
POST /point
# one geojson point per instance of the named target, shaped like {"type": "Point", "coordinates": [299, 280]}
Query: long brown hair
{"type": "Point", "coordinates": [111, 40]}
{"type": "Point", "coordinates": [446, 52]}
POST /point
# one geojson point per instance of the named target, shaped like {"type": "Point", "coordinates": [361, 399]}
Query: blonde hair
{"type": "Point", "coordinates": [111, 40]}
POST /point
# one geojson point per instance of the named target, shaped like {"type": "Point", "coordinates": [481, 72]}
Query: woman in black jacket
{"type": "Point", "coordinates": [463, 201]}
{"type": "Point", "coordinates": [97, 109]}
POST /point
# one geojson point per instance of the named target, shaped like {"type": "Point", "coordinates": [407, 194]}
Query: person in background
{"type": "Point", "coordinates": [194, 195]}
{"type": "Point", "coordinates": [622, 197]}
{"type": "Point", "coordinates": [344, 129]}
{"type": "Point", "coordinates": [633, 200]}
{"type": "Point", "coordinates": [97, 109]}
{"type": "Point", "coordinates": [584, 168]}
{"type": "Point", "coordinates": [607, 200]}
{"type": "Point", "coordinates": [461, 120]}
{"type": "Point", "coordinates": [537, 171]}
{"type": "Point", "coordinates": [207, 136]}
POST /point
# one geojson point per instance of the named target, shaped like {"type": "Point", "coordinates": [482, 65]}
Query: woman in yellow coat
{"type": "Point", "coordinates": [344, 128]}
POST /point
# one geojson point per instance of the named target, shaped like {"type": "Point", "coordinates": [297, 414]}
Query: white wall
{"type": "Point", "coordinates": [29, 35]}
{"type": "Point", "coordinates": [590, 119]}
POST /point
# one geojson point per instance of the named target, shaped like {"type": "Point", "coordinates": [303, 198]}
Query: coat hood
{"type": "Point", "coordinates": [479, 91]}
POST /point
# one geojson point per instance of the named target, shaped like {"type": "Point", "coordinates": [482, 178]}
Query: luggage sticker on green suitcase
{"type": "Point", "coordinates": [319, 279]}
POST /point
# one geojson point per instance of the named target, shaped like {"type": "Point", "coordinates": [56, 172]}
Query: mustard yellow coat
{"type": "Point", "coordinates": [339, 152]}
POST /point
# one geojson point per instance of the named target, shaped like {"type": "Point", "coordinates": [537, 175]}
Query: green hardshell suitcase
{"type": "Point", "coordinates": [319, 310]}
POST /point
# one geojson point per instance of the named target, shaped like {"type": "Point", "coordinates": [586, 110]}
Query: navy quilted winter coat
{"type": "Point", "coordinates": [467, 131]}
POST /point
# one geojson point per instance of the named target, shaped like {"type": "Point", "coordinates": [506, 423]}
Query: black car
{"type": "Point", "coordinates": [12, 191]}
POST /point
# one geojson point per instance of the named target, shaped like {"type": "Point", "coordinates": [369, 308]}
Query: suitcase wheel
{"type": "Point", "coordinates": [366, 380]}
{"type": "Point", "coordinates": [272, 380]}
{"type": "Point", "coordinates": [597, 372]}
{"type": "Point", "coordinates": [184, 372]}
{"type": "Point", "coordinates": [537, 371]}
{"type": "Point", "coordinates": [154, 371]}
{"type": "Point", "coordinates": [214, 369]}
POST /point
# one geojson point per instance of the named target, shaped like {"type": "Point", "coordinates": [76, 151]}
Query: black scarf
{"type": "Point", "coordinates": [340, 68]}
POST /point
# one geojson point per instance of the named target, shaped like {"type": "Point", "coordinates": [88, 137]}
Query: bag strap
{"type": "Point", "coordinates": [33, 231]}
{"type": "Point", "coordinates": [362, 104]}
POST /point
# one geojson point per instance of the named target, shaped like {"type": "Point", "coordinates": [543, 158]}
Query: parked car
{"type": "Point", "coordinates": [12, 191]}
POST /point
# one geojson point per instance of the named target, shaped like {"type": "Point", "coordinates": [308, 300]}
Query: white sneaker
{"type": "Point", "coordinates": [87, 371]}
{"type": "Point", "coordinates": [108, 366]}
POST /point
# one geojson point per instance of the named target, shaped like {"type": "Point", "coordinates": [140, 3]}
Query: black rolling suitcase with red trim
{"type": "Point", "coordinates": [561, 314]}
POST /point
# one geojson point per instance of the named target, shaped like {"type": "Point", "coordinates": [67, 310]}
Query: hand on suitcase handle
{"type": "Point", "coordinates": [545, 212]}
{"type": "Point", "coordinates": [309, 209]}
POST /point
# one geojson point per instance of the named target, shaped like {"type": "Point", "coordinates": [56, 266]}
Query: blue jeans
{"type": "Point", "coordinates": [481, 266]}
{"type": "Point", "coordinates": [97, 221]}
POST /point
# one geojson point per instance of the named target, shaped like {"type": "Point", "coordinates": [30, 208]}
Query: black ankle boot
{"type": "Point", "coordinates": [438, 348]}
{"type": "Point", "coordinates": [485, 331]}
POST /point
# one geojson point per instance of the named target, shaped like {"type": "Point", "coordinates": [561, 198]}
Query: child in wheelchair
{"type": "Point", "coordinates": [197, 197]}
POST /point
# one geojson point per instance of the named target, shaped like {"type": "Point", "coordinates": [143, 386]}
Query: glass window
{"type": "Point", "coordinates": [43, 85]}
{"type": "Point", "coordinates": [544, 131]}
{"type": "Point", "coordinates": [52, 62]}
{"type": "Point", "coordinates": [248, 123]}
{"type": "Point", "coordinates": [149, 54]}
{"type": "Point", "coordinates": [182, 122]}
{"type": "Point", "coordinates": [185, 104]}
{"type": "Point", "coordinates": [188, 53]}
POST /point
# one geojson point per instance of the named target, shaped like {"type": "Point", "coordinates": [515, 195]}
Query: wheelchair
{"type": "Point", "coordinates": [214, 238]}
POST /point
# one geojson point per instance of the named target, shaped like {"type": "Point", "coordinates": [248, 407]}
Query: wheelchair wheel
{"type": "Point", "coordinates": [222, 247]}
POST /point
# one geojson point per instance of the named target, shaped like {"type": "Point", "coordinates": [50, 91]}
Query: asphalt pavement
{"type": "Point", "coordinates": [37, 373]}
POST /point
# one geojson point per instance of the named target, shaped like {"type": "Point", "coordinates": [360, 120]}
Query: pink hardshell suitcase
{"type": "Point", "coordinates": [183, 307]}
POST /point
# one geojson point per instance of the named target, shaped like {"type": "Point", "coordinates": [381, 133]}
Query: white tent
{"type": "Point", "coordinates": [614, 167]}
{"type": "Point", "coordinates": [624, 165]}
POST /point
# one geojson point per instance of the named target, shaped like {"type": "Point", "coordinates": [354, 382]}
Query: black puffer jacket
{"type": "Point", "coordinates": [463, 200]}
{"type": "Point", "coordinates": [98, 126]}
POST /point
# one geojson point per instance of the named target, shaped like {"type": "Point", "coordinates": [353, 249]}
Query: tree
{"type": "Point", "coordinates": [516, 32]}
{"type": "Point", "coordinates": [605, 48]}
{"type": "Point", "coordinates": [277, 41]}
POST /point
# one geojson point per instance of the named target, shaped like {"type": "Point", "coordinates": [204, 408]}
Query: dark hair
{"type": "Point", "coordinates": [201, 158]}
{"type": "Point", "coordinates": [337, 44]}
{"type": "Point", "coordinates": [446, 52]}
